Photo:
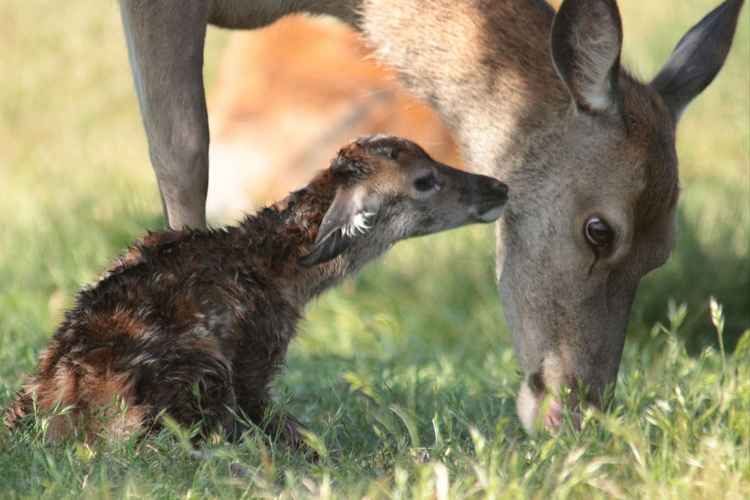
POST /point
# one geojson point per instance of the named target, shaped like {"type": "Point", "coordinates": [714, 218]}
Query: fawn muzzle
{"type": "Point", "coordinates": [484, 196]}
{"type": "Point", "coordinates": [492, 197]}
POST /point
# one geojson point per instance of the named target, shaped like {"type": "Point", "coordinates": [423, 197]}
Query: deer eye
{"type": "Point", "coordinates": [598, 233]}
{"type": "Point", "coordinates": [425, 183]}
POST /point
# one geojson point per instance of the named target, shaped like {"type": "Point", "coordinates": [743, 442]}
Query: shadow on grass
{"type": "Point", "coordinates": [710, 259]}
{"type": "Point", "coordinates": [386, 407]}
{"type": "Point", "coordinates": [413, 350]}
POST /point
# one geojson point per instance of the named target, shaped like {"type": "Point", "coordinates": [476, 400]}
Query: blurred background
{"type": "Point", "coordinates": [77, 185]}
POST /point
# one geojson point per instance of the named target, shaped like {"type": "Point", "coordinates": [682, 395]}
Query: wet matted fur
{"type": "Point", "coordinates": [195, 324]}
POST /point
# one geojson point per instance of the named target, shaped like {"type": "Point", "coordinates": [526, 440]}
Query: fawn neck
{"type": "Point", "coordinates": [286, 231]}
{"type": "Point", "coordinates": [485, 66]}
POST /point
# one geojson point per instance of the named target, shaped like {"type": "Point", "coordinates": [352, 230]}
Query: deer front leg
{"type": "Point", "coordinates": [275, 423]}
{"type": "Point", "coordinates": [165, 41]}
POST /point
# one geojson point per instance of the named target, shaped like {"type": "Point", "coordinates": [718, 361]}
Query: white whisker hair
{"type": "Point", "coordinates": [358, 225]}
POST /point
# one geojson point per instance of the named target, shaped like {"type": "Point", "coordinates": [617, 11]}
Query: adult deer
{"type": "Point", "coordinates": [536, 98]}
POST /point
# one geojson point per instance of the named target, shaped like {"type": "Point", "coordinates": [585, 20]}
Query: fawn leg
{"type": "Point", "coordinates": [283, 425]}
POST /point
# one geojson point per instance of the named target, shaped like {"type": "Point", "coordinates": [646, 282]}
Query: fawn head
{"type": "Point", "coordinates": [389, 189]}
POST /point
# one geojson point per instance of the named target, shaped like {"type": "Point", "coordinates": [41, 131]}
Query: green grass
{"type": "Point", "coordinates": [404, 376]}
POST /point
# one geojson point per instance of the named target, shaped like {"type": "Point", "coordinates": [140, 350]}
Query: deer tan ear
{"type": "Point", "coordinates": [698, 57]}
{"type": "Point", "coordinates": [345, 219]}
{"type": "Point", "coordinates": [586, 42]}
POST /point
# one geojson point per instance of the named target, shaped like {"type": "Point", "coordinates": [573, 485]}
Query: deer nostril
{"type": "Point", "coordinates": [536, 383]}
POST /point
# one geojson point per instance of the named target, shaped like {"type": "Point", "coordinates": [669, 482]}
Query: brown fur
{"type": "Point", "coordinates": [536, 97]}
{"type": "Point", "coordinates": [195, 324]}
{"type": "Point", "coordinates": [181, 309]}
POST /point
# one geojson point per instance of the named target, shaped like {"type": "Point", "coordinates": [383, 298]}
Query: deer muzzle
{"type": "Point", "coordinates": [546, 394]}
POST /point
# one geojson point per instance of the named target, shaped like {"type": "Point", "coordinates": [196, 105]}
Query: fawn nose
{"type": "Point", "coordinates": [493, 195]}
{"type": "Point", "coordinates": [499, 190]}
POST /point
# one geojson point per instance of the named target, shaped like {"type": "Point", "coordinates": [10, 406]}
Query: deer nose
{"type": "Point", "coordinates": [541, 406]}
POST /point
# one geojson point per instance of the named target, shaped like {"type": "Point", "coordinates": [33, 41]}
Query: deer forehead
{"type": "Point", "coordinates": [634, 163]}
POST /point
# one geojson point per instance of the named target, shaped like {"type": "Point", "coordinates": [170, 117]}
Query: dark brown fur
{"type": "Point", "coordinates": [195, 324]}
{"type": "Point", "coordinates": [181, 310]}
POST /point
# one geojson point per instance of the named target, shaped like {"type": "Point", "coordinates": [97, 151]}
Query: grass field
{"type": "Point", "coordinates": [404, 376]}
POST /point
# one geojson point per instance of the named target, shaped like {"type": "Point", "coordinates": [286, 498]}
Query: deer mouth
{"type": "Point", "coordinates": [543, 410]}
{"type": "Point", "coordinates": [546, 402]}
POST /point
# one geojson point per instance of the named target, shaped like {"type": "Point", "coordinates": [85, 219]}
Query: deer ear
{"type": "Point", "coordinates": [345, 219]}
{"type": "Point", "coordinates": [586, 42]}
{"type": "Point", "coordinates": [698, 57]}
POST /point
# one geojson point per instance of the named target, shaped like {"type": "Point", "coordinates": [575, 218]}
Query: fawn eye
{"type": "Point", "coordinates": [425, 183]}
{"type": "Point", "coordinates": [598, 233]}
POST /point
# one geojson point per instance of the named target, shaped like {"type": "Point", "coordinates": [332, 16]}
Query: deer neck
{"type": "Point", "coordinates": [485, 66]}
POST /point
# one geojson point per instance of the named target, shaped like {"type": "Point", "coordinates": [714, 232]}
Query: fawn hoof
{"type": "Point", "coordinates": [288, 430]}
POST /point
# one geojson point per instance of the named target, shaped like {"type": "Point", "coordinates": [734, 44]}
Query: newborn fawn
{"type": "Point", "coordinates": [195, 324]}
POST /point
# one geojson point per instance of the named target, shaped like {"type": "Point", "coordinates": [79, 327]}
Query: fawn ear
{"type": "Point", "coordinates": [346, 218]}
{"type": "Point", "coordinates": [586, 42]}
{"type": "Point", "coordinates": [698, 57]}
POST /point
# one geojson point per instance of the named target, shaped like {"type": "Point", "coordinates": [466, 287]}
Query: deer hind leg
{"type": "Point", "coordinates": [195, 387]}
{"type": "Point", "coordinates": [165, 41]}
{"type": "Point", "coordinates": [21, 407]}
{"type": "Point", "coordinates": [77, 399]}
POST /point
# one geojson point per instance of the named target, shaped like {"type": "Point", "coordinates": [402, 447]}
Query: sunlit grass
{"type": "Point", "coordinates": [405, 376]}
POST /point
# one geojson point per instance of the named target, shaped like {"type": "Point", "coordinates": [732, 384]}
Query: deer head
{"type": "Point", "coordinates": [597, 210]}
